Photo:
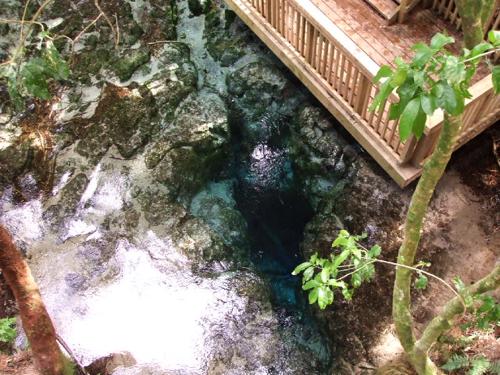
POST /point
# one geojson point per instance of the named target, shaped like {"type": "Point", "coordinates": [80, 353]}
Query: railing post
{"type": "Point", "coordinates": [403, 7]}
{"type": "Point", "coordinates": [363, 95]}
{"type": "Point", "coordinates": [424, 147]}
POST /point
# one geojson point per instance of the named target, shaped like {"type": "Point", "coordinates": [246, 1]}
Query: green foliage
{"type": "Point", "coordinates": [488, 312]}
{"type": "Point", "coordinates": [475, 366]}
{"type": "Point", "coordinates": [456, 362]}
{"type": "Point", "coordinates": [30, 77]}
{"type": "Point", "coordinates": [485, 308]}
{"type": "Point", "coordinates": [434, 79]}
{"type": "Point", "coordinates": [345, 270]}
{"type": "Point", "coordinates": [8, 330]}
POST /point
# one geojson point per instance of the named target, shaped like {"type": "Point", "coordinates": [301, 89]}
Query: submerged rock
{"type": "Point", "coordinates": [217, 207]}
{"type": "Point", "coordinates": [322, 158]}
{"type": "Point", "coordinates": [257, 87]}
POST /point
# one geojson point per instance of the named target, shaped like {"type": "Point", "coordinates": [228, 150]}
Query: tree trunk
{"type": "Point", "coordinates": [474, 15]}
{"type": "Point", "coordinates": [431, 174]}
{"type": "Point", "coordinates": [36, 321]}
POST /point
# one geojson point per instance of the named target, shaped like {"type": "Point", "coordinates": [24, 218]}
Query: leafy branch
{"type": "Point", "coordinates": [346, 269]}
{"type": "Point", "coordinates": [434, 79]}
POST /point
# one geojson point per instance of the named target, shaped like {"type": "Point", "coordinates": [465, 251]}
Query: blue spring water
{"type": "Point", "coordinates": [269, 197]}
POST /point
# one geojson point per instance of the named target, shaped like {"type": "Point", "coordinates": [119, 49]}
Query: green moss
{"type": "Point", "coordinates": [90, 63]}
{"type": "Point", "coordinates": [125, 66]}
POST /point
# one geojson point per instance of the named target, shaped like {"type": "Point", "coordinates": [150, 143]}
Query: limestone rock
{"type": "Point", "coordinates": [191, 150]}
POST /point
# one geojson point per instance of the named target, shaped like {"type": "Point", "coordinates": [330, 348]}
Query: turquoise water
{"type": "Point", "coordinates": [269, 197]}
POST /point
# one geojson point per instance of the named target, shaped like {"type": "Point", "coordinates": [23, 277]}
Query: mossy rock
{"type": "Point", "coordinates": [126, 64]}
{"type": "Point", "coordinates": [176, 79]}
{"type": "Point", "coordinates": [193, 148]}
{"type": "Point", "coordinates": [222, 44]}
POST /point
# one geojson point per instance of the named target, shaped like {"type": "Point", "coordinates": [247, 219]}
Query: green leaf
{"type": "Point", "coordinates": [423, 53]}
{"type": "Point", "coordinates": [421, 282]}
{"type": "Point", "coordinates": [408, 118]}
{"type": "Point", "coordinates": [459, 284]}
{"type": "Point", "coordinates": [456, 362]}
{"type": "Point", "coordinates": [325, 274]}
{"type": "Point", "coordinates": [313, 296]}
{"type": "Point", "coordinates": [356, 280]}
{"type": "Point", "coordinates": [453, 70]}
{"type": "Point", "coordinates": [399, 76]}
{"type": "Point", "coordinates": [494, 37]}
{"type": "Point", "coordinates": [341, 258]}
{"type": "Point", "coordinates": [301, 267]}
{"type": "Point", "coordinates": [381, 97]}
{"type": "Point", "coordinates": [496, 78]}
{"type": "Point", "coordinates": [341, 239]}
{"type": "Point", "coordinates": [451, 100]}
{"type": "Point", "coordinates": [337, 284]}
{"type": "Point", "coordinates": [347, 293]}
{"type": "Point", "coordinates": [325, 297]}
{"type": "Point", "coordinates": [439, 40]}
{"type": "Point", "coordinates": [419, 124]}
{"type": "Point", "coordinates": [383, 72]}
{"type": "Point", "coordinates": [311, 284]}
{"type": "Point", "coordinates": [428, 103]}
{"type": "Point", "coordinates": [308, 273]}
{"type": "Point", "coordinates": [375, 251]}
{"type": "Point", "coordinates": [480, 49]}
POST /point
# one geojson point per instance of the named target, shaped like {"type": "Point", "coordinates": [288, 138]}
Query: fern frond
{"type": "Point", "coordinates": [456, 362]}
{"type": "Point", "coordinates": [495, 368]}
{"type": "Point", "coordinates": [479, 366]}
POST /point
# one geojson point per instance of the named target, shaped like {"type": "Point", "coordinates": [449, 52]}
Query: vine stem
{"type": "Point", "coordinates": [412, 269]}
{"type": "Point", "coordinates": [482, 55]}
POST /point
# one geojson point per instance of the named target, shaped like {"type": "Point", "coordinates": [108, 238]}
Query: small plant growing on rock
{"type": "Point", "coordinates": [34, 62]}
{"type": "Point", "coordinates": [8, 330]}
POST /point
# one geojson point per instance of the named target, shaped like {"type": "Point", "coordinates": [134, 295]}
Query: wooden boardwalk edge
{"type": "Point", "coordinates": [402, 174]}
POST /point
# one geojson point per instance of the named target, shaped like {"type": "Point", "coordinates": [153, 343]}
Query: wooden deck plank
{"type": "Point", "coordinates": [382, 42]}
{"type": "Point", "coordinates": [385, 8]}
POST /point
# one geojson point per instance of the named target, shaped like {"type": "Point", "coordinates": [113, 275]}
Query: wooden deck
{"type": "Point", "coordinates": [335, 47]}
{"type": "Point", "coordinates": [371, 33]}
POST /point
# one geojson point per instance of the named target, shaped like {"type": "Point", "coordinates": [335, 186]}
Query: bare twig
{"type": "Point", "coordinates": [70, 353]}
{"type": "Point", "coordinates": [85, 30]}
{"type": "Point", "coordinates": [117, 31]}
{"type": "Point", "coordinates": [115, 34]}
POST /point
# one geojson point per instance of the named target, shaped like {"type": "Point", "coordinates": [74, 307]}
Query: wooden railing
{"type": "Point", "coordinates": [335, 60]}
{"type": "Point", "coordinates": [340, 75]}
{"type": "Point", "coordinates": [448, 10]}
